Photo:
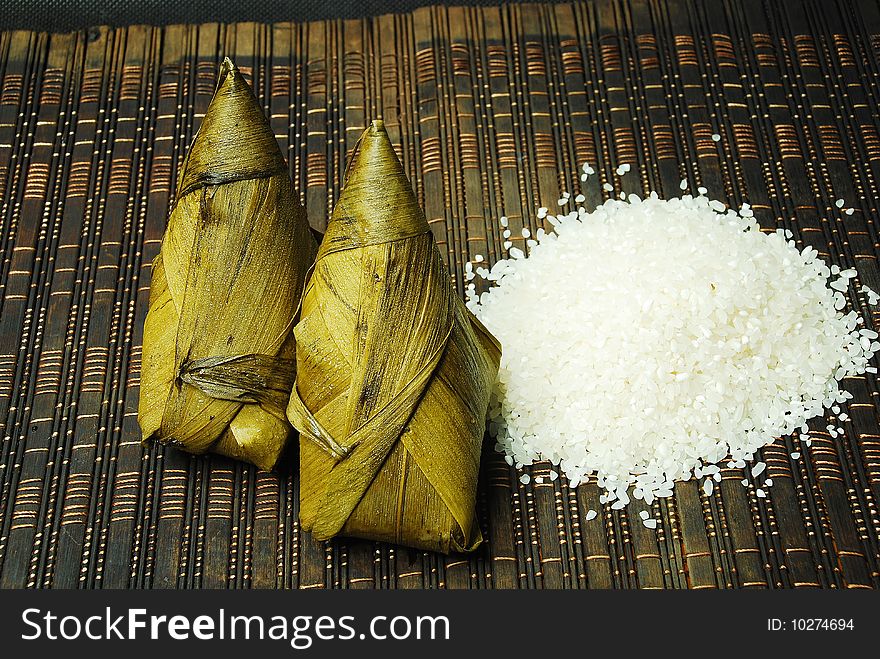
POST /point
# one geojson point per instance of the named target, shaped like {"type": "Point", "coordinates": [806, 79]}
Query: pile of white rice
{"type": "Point", "coordinates": [650, 339]}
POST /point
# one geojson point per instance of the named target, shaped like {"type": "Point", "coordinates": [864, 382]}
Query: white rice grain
{"type": "Point", "coordinates": [651, 339]}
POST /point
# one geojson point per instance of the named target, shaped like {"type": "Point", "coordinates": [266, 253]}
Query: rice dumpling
{"type": "Point", "coordinates": [218, 353]}
{"type": "Point", "coordinates": [393, 372]}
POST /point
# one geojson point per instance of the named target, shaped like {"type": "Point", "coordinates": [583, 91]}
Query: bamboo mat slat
{"type": "Point", "coordinates": [493, 110]}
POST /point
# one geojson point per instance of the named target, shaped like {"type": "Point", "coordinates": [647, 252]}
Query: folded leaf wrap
{"type": "Point", "coordinates": [393, 372]}
{"type": "Point", "coordinates": [218, 353]}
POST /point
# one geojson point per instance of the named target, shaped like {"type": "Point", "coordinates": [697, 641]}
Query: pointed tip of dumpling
{"type": "Point", "coordinates": [377, 203]}
{"type": "Point", "coordinates": [227, 70]}
{"type": "Point", "coordinates": [235, 141]}
{"type": "Point", "coordinates": [226, 66]}
{"type": "Point", "coordinates": [374, 159]}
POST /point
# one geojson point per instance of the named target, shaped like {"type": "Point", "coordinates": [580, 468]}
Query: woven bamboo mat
{"type": "Point", "coordinates": [487, 107]}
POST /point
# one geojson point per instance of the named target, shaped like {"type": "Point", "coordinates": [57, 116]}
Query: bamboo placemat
{"type": "Point", "coordinates": [487, 106]}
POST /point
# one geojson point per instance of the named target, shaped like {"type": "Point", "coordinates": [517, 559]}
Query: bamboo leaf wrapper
{"type": "Point", "coordinates": [393, 372]}
{"type": "Point", "coordinates": [218, 360]}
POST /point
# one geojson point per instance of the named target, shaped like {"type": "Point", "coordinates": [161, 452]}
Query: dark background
{"type": "Point", "coordinates": [67, 15]}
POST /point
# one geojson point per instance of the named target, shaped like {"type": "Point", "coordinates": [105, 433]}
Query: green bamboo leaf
{"type": "Point", "coordinates": [392, 369]}
{"type": "Point", "coordinates": [218, 354]}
